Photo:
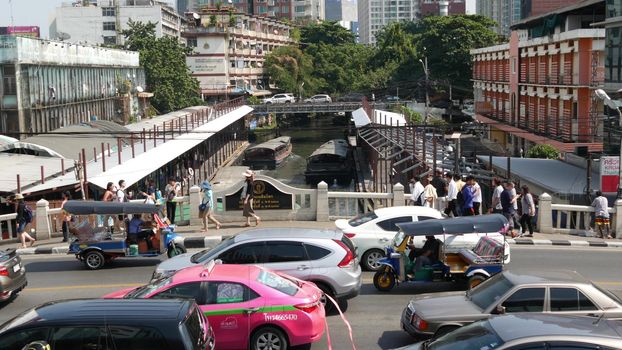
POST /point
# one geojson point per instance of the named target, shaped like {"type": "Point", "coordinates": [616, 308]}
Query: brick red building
{"type": "Point", "coordinates": [539, 87]}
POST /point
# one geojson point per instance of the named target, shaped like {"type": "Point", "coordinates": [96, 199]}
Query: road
{"type": "Point", "coordinates": [374, 316]}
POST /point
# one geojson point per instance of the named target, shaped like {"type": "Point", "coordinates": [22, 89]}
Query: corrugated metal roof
{"type": "Point", "coordinates": [560, 178]}
{"type": "Point", "coordinates": [29, 169]}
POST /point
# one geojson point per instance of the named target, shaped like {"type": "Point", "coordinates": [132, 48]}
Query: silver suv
{"type": "Point", "coordinates": [327, 258]}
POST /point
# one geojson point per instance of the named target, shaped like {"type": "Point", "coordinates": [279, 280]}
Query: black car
{"type": "Point", "coordinates": [111, 324]}
{"type": "Point", "coordinates": [12, 275]}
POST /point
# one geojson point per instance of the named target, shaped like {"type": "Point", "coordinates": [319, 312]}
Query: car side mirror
{"type": "Point", "coordinates": [499, 310]}
{"type": "Point", "coordinates": [395, 255]}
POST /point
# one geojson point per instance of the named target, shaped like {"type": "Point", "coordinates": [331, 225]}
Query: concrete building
{"type": "Point", "coordinates": [344, 12]}
{"type": "Point", "coordinates": [373, 15]}
{"type": "Point", "coordinates": [103, 20]}
{"type": "Point", "coordinates": [50, 84]}
{"type": "Point", "coordinates": [530, 8]}
{"type": "Point", "coordinates": [442, 7]}
{"type": "Point", "coordinates": [294, 10]}
{"type": "Point", "coordinates": [229, 54]}
{"type": "Point", "coordinates": [504, 12]}
{"type": "Point", "coordinates": [539, 87]}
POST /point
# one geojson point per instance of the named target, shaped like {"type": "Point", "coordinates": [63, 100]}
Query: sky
{"type": "Point", "coordinates": [29, 13]}
{"type": "Point", "coordinates": [38, 12]}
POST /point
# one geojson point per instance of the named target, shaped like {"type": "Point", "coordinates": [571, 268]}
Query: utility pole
{"type": "Point", "coordinates": [117, 25]}
{"type": "Point", "coordinates": [427, 80]}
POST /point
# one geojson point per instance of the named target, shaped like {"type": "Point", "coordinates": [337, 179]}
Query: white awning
{"type": "Point", "coordinates": [144, 163]}
{"type": "Point", "coordinates": [360, 118]}
{"type": "Point", "coordinates": [137, 168]}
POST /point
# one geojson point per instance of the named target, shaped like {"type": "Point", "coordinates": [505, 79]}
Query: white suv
{"type": "Point", "coordinates": [280, 98]}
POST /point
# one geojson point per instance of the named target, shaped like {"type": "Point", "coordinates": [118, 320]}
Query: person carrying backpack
{"type": "Point", "coordinates": [24, 217]}
{"type": "Point", "coordinates": [206, 208]}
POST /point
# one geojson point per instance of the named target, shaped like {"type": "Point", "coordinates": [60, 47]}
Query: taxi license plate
{"type": "Point", "coordinates": [16, 268]}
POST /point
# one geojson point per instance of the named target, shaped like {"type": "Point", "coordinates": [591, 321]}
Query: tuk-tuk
{"type": "Point", "coordinates": [473, 265]}
{"type": "Point", "coordinates": [96, 246]}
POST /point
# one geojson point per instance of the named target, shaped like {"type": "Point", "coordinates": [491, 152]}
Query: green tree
{"type": "Point", "coordinates": [164, 61]}
{"type": "Point", "coordinates": [326, 32]}
{"type": "Point", "coordinates": [290, 69]}
{"type": "Point", "coordinates": [543, 151]}
{"type": "Point", "coordinates": [446, 42]}
{"type": "Point", "coordinates": [409, 114]}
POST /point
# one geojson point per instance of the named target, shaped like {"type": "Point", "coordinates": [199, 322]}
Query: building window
{"type": "Point", "coordinates": [299, 9]}
{"type": "Point", "coordinates": [9, 86]}
{"type": "Point", "coordinates": [191, 42]}
{"type": "Point", "coordinates": [109, 26]}
{"type": "Point", "coordinates": [613, 63]}
{"type": "Point", "coordinates": [108, 11]}
{"type": "Point", "coordinates": [110, 40]}
{"type": "Point", "coordinates": [285, 9]}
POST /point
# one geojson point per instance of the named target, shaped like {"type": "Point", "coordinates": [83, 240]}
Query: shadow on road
{"type": "Point", "coordinates": [420, 288]}
{"type": "Point", "coordinates": [75, 265]}
{"type": "Point", "coordinates": [395, 339]}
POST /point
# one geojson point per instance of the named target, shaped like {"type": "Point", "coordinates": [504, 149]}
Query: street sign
{"type": "Point", "coordinates": [609, 174]}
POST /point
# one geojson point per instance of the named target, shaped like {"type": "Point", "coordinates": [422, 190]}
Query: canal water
{"type": "Point", "coordinates": [307, 134]}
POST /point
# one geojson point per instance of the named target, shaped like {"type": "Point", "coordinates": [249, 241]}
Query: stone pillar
{"type": "Point", "coordinates": [195, 200]}
{"type": "Point", "coordinates": [398, 195]}
{"type": "Point", "coordinates": [618, 218]}
{"type": "Point", "coordinates": [42, 220]}
{"type": "Point", "coordinates": [322, 202]}
{"type": "Point", "coordinates": [545, 214]}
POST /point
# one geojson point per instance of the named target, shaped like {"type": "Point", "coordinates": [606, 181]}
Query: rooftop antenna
{"type": "Point", "coordinates": [11, 10]}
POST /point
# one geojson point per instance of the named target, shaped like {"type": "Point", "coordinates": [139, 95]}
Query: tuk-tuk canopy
{"type": "Point", "coordinates": [456, 226]}
{"type": "Point", "coordinates": [103, 208]}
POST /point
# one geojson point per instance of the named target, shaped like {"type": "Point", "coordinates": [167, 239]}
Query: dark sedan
{"type": "Point", "coordinates": [12, 275]}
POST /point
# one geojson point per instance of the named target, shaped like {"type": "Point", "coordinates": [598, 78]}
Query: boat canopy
{"type": "Point", "coordinates": [333, 147]}
{"type": "Point", "coordinates": [103, 208]}
{"type": "Point", "coordinates": [456, 226]}
{"type": "Point", "coordinates": [273, 144]}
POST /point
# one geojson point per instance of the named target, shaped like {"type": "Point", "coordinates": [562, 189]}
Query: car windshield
{"type": "Point", "coordinates": [479, 335]}
{"type": "Point", "coordinates": [209, 254]}
{"type": "Point", "coordinates": [609, 294]}
{"type": "Point", "coordinates": [277, 282]}
{"type": "Point", "coordinates": [398, 239]}
{"type": "Point", "coordinates": [490, 291]}
{"type": "Point", "coordinates": [359, 220]}
{"type": "Point", "coordinates": [147, 289]}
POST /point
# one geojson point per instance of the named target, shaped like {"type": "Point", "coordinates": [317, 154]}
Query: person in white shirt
{"type": "Point", "coordinates": [496, 196]}
{"type": "Point", "coordinates": [452, 195]}
{"type": "Point", "coordinates": [477, 198]}
{"type": "Point", "coordinates": [121, 197]}
{"type": "Point", "coordinates": [417, 192]}
{"type": "Point", "coordinates": [429, 194]}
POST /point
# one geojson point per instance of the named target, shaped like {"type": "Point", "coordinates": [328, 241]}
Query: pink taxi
{"type": "Point", "coordinates": [248, 307]}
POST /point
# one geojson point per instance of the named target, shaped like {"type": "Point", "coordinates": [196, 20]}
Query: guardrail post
{"type": "Point", "coordinates": [398, 195]}
{"type": "Point", "coordinates": [545, 214]}
{"type": "Point", "coordinates": [195, 200]}
{"type": "Point", "coordinates": [42, 220]}
{"type": "Point", "coordinates": [618, 221]}
{"type": "Point", "coordinates": [322, 202]}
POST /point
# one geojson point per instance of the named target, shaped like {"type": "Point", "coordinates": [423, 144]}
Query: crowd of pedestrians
{"type": "Point", "coordinates": [461, 195]}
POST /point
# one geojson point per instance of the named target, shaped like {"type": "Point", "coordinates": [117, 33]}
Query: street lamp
{"type": "Point", "coordinates": [600, 93]}
{"type": "Point", "coordinates": [427, 79]}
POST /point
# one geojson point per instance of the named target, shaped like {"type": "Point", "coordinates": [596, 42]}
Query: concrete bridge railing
{"type": "Point", "coordinates": [323, 205]}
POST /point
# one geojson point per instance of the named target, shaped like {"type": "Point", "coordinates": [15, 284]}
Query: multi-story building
{"type": "Point", "coordinates": [442, 7]}
{"type": "Point", "coordinates": [539, 87]}
{"type": "Point", "coordinates": [530, 8]}
{"type": "Point", "coordinates": [102, 21]}
{"type": "Point", "coordinates": [230, 49]}
{"type": "Point", "coordinates": [373, 15]}
{"type": "Point", "coordinates": [343, 12]}
{"type": "Point", "coordinates": [294, 10]}
{"type": "Point", "coordinates": [51, 84]}
{"type": "Point", "coordinates": [504, 12]}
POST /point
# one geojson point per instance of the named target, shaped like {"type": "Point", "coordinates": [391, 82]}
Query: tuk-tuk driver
{"type": "Point", "coordinates": [425, 256]}
{"type": "Point", "coordinates": [137, 231]}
